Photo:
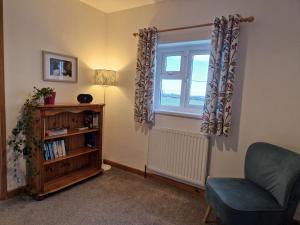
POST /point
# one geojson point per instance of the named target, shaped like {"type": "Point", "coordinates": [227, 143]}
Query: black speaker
{"type": "Point", "coordinates": [84, 98]}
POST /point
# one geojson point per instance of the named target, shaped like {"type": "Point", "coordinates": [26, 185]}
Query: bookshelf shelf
{"type": "Point", "coordinates": [71, 133]}
{"type": "Point", "coordinates": [72, 161]}
{"type": "Point", "coordinates": [74, 153]}
{"type": "Point", "coordinates": [69, 179]}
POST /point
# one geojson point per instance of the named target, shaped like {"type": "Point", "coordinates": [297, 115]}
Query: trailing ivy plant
{"type": "Point", "coordinates": [23, 140]}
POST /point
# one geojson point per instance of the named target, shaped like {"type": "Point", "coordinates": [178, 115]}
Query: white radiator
{"type": "Point", "coordinates": [178, 154]}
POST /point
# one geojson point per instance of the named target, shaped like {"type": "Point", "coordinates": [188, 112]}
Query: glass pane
{"type": "Point", "coordinates": [197, 93]}
{"type": "Point", "coordinates": [170, 92]}
{"type": "Point", "coordinates": [173, 63]}
{"type": "Point", "coordinates": [199, 79]}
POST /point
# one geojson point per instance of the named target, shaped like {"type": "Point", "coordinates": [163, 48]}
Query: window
{"type": "Point", "coordinates": [181, 77]}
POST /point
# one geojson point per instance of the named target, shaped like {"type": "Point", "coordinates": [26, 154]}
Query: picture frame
{"type": "Point", "coordinates": [59, 68]}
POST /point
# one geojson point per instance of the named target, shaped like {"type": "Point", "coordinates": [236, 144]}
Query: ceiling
{"type": "Point", "coordinates": [109, 6]}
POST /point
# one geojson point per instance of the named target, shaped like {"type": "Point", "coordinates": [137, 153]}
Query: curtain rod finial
{"type": "Point", "coordinates": [250, 19]}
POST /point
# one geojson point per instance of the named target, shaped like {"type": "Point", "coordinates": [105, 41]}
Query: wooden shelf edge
{"type": "Point", "coordinates": [74, 177]}
{"type": "Point", "coordinates": [52, 110]}
{"type": "Point", "coordinates": [71, 133]}
{"type": "Point", "coordinates": [60, 106]}
{"type": "Point", "coordinates": [77, 153]}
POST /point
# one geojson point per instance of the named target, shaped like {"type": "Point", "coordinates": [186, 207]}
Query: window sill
{"type": "Point", "coordinates": [178, 114]}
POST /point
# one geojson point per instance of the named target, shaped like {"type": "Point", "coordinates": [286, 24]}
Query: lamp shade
{"type": "Point", "coordinates": [105, 77]}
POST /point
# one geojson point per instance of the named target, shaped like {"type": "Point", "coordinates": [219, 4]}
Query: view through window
{"type": "Point", "coordinates": [181, 76]}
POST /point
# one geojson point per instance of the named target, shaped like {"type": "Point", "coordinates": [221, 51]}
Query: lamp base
{"type": "Point", "coordinates": [106, 167]}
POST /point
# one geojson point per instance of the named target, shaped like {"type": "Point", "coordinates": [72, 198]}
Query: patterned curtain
{"type": "Point", "coordinates": [144, 81]}
{"type": "Point", "coordinates": [218, 100]}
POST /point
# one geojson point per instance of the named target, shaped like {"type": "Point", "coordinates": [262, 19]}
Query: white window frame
{"type": "Point", "coordinates": [186, 50]}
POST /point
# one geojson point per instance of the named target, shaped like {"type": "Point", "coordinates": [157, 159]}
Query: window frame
{"type": "Point", "coordinates": [164, 63]}
{"type": "Point", "coordinates": [187, 50]}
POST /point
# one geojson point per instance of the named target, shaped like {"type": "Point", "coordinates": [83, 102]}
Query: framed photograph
{"type": "Point", "coordinates": [59, 68]}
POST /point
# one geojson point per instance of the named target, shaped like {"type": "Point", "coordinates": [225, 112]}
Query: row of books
{"type": "Point", "coordinates": [92, 120]}
{"type": "Point", "coordinates": [95, 121]}
{"type": "Point", "coordinates": [54, 149]}
{"type": "Point", "coordinates": [91, 140]}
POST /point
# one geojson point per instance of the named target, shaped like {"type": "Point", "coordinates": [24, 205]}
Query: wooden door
{"type": "Point", "coordinates": [3, 174]}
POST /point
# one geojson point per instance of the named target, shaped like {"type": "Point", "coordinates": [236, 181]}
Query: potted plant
{"type": "Point", "coordinates": [22, 139]}
{"type": "Point", "coordinates": [49, 95]}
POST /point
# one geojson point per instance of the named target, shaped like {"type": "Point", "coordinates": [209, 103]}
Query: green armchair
{"type": "Point", "coordinates": [268, 195]}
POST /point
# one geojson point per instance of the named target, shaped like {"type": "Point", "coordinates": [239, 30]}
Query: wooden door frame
{"type": "Point", "coordinates": [3, 169]}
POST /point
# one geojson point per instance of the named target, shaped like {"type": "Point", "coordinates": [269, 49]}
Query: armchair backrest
{"type": "Point", "coordinates": [275, 169]}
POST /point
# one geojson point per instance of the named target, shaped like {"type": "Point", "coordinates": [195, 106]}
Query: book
{"type": "Point", "coordinates": [82, 128]}
{"type": "Point", "coordinates": [95, 121]}
{"type": "Point", "coordinates": [56, 148]}
{"type": "Point", "coordinates": [46, 152]}
{"type": "Point", "coordinates": [88, 121]}
{"type": "Point", "coordinates": [56, 131]}
{"type": "Point", "coordinates": [49, 150]}
{"type": "Point", "coordinates": [58, 143]}
{"type": "Point", "coordinates": [63, 147]}
{"type": "Point", "coordinates": [60, 148]}
{"type": "Point", "coordinates": [53, 144]}
{"type": "Point", "coordinates": [91, 121]}
{"type": "Point", "coordinates": [51, 153]}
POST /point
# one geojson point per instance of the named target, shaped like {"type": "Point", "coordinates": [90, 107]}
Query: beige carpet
{"type": "Point", "coordinates": [115, 198]}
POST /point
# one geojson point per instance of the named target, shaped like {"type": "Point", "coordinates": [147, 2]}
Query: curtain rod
{"type": "Point", "coordinates": [247, 19]}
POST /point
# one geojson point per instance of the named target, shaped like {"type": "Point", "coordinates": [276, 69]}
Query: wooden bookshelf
{"type": "Point", "coordinates": [81, 161]}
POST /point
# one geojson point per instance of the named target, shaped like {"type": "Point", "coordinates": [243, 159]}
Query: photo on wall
{"type": "Point", "coordinates": [59, 68]}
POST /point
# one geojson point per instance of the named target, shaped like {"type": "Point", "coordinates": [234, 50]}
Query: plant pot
{"type": "Point", "coordinates": [50, 100]}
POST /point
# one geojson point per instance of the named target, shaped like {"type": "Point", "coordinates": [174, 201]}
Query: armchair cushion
{"type": "Point", "coordinates": [273, 168]}
{"type": "Point", "coordinates": [236, 200]}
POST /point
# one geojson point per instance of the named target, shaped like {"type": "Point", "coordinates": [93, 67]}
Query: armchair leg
{"type": "Point", "coordinates": [206, 215]}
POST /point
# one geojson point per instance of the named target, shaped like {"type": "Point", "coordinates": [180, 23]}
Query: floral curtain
{"type": "Point", "coordinates": [144, 81]}
{"type": "Point", "coordinates": [223, 56]}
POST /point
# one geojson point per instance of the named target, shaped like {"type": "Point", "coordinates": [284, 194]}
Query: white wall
{"type": "Point", "coordinates": [266, 101]}
{"type": "Point", "coordinates": [62, 26]}
{"type": "Point", "coordinates": [266, 98]}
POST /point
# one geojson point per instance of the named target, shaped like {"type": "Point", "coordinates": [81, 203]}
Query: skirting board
{"type": "Point", "coordinates": [159, 178]}
{"type": "Point", "coordinates": [15, 192]}
{"type": "Point", "coordinates": [176, 184]}
{"type": "Point", "coordinates": [123, 167]}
